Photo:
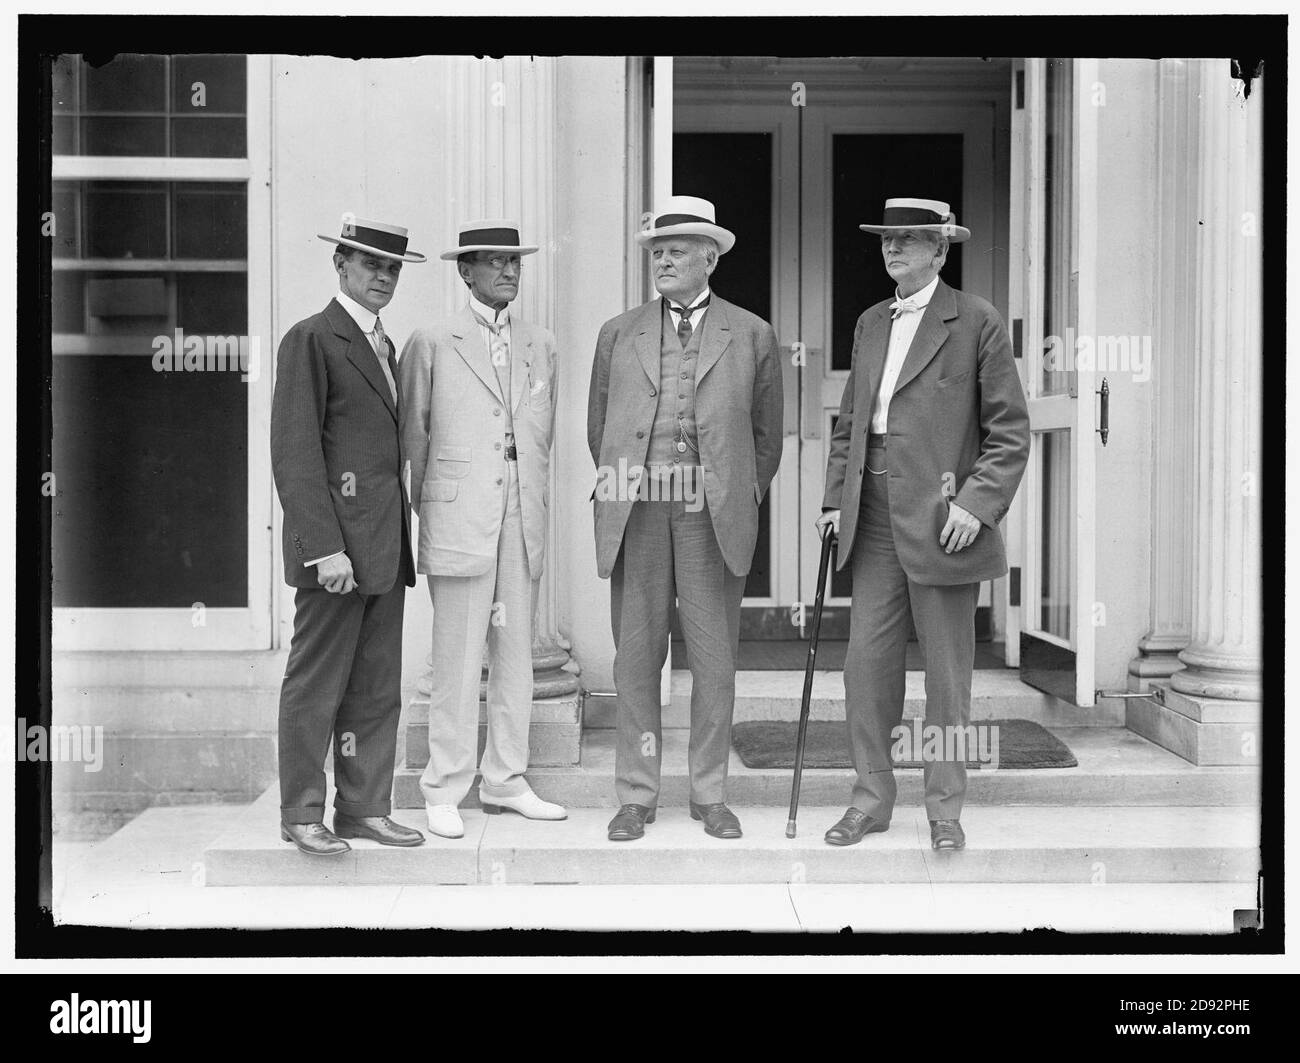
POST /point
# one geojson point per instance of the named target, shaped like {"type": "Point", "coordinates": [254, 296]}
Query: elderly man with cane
{"type": "Point", "coordinates": [929, 448]}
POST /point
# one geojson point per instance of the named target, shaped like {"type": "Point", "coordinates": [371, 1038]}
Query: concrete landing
{"type": "Point", "coordinates": [145, 877]}
{"type": "Point", "coordinates": [1083, 845]}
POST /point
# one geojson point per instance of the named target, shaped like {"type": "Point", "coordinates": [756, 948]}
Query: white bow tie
{"type": "Point", "coordinates": [904, 306]}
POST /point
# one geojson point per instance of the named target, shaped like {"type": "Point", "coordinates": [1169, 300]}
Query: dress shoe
{"type": "Point", "coordinates": [314, 839]}
{"type": "Point", "coordinates": [719, 820]}
{"type": "Point", "coordinates": [527, 804]}
{"type": "Point", "coordinates": [853, 826]}
{"type": "Point", "coordinates": [445, 821]}
{"type": "Point", "coordinates": [946, 834]}
{"type": "Point", "coordinates": [629, 823]}
{"type": "Point", "coordinates": [379, 829]}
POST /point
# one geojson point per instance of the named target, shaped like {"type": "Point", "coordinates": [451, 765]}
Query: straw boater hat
{"type": "Point", "coordinates": [488, 234]}
{"type": "Point", "coordinates": [388, 241]}
{"type": "Point", "coordinates": [928, 215]}
{"type": "Point", "coordinates": [683, 216]}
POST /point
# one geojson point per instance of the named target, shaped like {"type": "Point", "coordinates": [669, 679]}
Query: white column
{"type": "Point", "coordinates": [1171, 381]}
{"type": "Point", "coordinates": [1223, 656]}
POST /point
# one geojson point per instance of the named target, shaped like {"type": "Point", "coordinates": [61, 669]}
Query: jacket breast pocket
{"type": "Point", "coordinates": [949, 381]}
{"type": "Point", "coordinates": [539, 394]}
{"type": "Point", "coordinates": [453, 462]}
{"type": "Point", "coordinates": [438, 491]}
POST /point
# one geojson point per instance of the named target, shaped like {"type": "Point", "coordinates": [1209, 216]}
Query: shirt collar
{"type": "Point", "coordinates": [364, 318]}
{"type": "Point", "coordinates": [923, 297]}
{"type": "Point", "coordinates": [695, 304]}
{"type": "Point", "coordinates": [488, 314]}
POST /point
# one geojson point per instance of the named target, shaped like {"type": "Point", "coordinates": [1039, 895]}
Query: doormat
{"type": "Point", "coordinates": [993, 744]}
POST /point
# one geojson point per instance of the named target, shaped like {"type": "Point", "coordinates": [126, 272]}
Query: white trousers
{"type": "Point", "coordinates": [496, 606]}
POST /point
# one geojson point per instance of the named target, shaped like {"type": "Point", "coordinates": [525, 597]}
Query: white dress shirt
{"type": "Point", "coordinates": [902, 331]}
{"type": "Point", "coordinates": [695, 311]}
{"type": "Point", "coordinates": [365, 319]}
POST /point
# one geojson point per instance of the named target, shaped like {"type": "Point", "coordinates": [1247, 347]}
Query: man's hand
{"type": "Point", "coordinates": [960, 531]}
{"type": "Point", "coordinates": [335, 575]}
{"type": "Point", "coordinates": [831, 517]}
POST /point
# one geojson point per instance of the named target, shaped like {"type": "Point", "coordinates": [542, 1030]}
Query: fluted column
{"type": "Point", "coordinates": [497, 145]}
{"type": "Point", "coordinates": [1176, 309]}
{"type": "Point", "coordinates": [1223, 656]}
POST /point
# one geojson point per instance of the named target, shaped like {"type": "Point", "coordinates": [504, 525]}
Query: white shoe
{"type": "Point", "coordinates": [445, 821]}
{"type": "Point", "coordinates": [527, 804]}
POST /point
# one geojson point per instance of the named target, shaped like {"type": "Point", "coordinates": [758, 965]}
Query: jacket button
{"type": "Point", "coordinates": [496, 412]}
{"type": "Point", "coordinates": [640, 435]}
{"type": "Point", "coordinates": [652, 391]}
{"type": "Point", "coordinates": [498, 481]}
{"type": "Point", "coordinates": [496, 446]}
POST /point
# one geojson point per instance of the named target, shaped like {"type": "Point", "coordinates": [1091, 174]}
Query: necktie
{"type": "Point", "coordinates": [385, 358]}
{"type": "Point", "coordinates": [684, 324]}
{"type": "Point", "coordinates": [904, 306]}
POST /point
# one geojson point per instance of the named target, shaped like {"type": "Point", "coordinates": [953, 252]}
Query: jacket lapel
{"type": "Point", "coordinates": [360, 353]}
{"type": "Point", "coordinates": [521, 359]}
{"type": "Point", "coordinates": [930, 336]}
{"type": "Point", "coordinates": [875, 347]}
{"type": "Point", "coordinates": [717, 334]}
{"type": "Point", "coordinates": [649, 339]}
{"type": "Point", "coordinates": [469, 345]}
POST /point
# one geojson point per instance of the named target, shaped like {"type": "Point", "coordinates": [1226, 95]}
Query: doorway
{"type": "Point", "coordinates": [795, 154]}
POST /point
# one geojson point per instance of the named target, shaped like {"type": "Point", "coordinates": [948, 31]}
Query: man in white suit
{"type": "Point", "coordinates": [478, 418]}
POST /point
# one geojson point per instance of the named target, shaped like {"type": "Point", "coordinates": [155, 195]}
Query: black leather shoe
{"type": "Point", "coordinates": [314, 839]}
{"type": "Point", "coordinates": [629, 823]}
{"type": "Point", "coordinates": [853, 826]}
{"type": "Point", "coordinates": [719, 820]}
{"type": "Point", "coordinates": [379, 829]}
{"type": "Point", "coordinates": [946, 834]}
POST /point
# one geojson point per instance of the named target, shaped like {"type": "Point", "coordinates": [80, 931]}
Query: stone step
{"type": "Point", "coordinates": [1116, 767]}
{"type": "Point", "coordinates": [764, 695]}
{"type": "Point", "coordinates": [1026, 844]}
{"type": "Point", "coordinates": [554, 733]}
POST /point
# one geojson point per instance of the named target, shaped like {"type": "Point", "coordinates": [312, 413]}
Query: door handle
{"type": "Point", "coordinates": [1103, 419]}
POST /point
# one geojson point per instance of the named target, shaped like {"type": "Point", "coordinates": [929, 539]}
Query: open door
{"type": "Point", "coordinates": [1053, 263]}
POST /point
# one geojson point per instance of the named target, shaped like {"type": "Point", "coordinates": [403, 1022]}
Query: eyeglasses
{"type": "Point", "coordinates": [499, 261]}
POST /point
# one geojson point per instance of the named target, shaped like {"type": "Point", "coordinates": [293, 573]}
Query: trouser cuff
{"type": "Point", "coordinates": [302, 815]}
{"type": "Point", "coordinates": [374, 808]}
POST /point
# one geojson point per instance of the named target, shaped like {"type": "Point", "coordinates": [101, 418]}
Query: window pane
{"type": "Point", "coordinates": [208, 83]}
{"type": "Point", "coordinates": [870, 168]}
{"type": "Point", "coordinates": [65, 135]}
{"type": "Point", "coordinates": [123, 136]}
{"type": "Point", "coordinates": [1057, 543]}
{"type": "Point", "coordinates": [63, 201]}
{"type": "Point", "coordinates": [209, 221]}
{"type": "Point", "coordinates": [212, 303]}
{"type": "Point", "coordinates": [152, 473]}
{"type": "Point", "coordinates": [126, 83]}
{"type": "Point", "coordinates": [125, 220]}
{"type": "Point", "coordinates": [217, 138]}
{"type": "Point", "coordinates": [63, 83]}
{"type": "Point", "coordinates": [67, 308]}
{"type": "Point", "coordinates": [1058, 333]}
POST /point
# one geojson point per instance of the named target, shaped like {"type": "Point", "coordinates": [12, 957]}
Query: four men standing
{"type": "Point", "coordinates": [684, 421]}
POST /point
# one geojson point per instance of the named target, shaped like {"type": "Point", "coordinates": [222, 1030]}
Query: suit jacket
{"type": "Point", "coordinates": [738, 414]}
{"type": "Point", "coordinates": [335, 455]}
{"type": "Point", "coordinates": [958, 426]}
{"type": "Point", "coordinates": [453, 434]}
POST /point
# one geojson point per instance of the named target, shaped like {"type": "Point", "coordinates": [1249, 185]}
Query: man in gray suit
{"type": "Point", "coordinates": [685, 401]}
{"type": "Point", "coordinates": [927, 453]}
{"type": "Point", "coordinates": [335, 455]}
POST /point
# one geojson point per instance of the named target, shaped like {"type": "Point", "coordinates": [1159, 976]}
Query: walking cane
{"type": "Point", "coordinates": [828, 541]}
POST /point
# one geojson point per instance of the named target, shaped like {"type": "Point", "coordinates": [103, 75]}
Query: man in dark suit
{"type": "Point", "coordinates": [684, 424]}
{"type": "Point", "coordinates": [929, 448]}
{"type": "Point", "coordinates": [335, 454]}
